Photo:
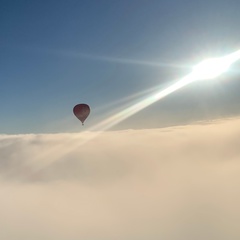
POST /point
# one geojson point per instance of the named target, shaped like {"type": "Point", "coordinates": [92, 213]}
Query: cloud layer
{"type": "Point", "coordinates": [175, 183]}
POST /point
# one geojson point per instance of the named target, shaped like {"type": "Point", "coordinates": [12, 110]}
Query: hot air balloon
{"type": "Point", "coordinates": [81, 111]}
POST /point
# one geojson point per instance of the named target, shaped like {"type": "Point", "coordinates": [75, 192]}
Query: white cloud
{"type": "Point", "coordinates": [175, 183]}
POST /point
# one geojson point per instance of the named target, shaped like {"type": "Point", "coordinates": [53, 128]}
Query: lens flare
{"type": "Point", "coordinates": [214, 67]}
{"type": "Point", "coordinates": [208, 69]}
{"type": "Point", "coordinates": [131, 110]}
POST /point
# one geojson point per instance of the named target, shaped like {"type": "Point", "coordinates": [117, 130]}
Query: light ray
{"type": "Point", "coordinates": [75, 54]}
{"type": "Point", "coordinates": [207, 69]}
{"type": "Point", "coordinates": [133, 109]}
{"type": "Point", "coordinates": [127, 99]}
{"type": "Point", "coordinates": [214, 67]}
{"type": "Point", "coordinates": [119, 60]}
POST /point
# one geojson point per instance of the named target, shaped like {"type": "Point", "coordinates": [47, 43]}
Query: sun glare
{"type": "Point", "coordinates": [214, 67]}
{"type": "Point", "coordinates": [207, 69]}
{"type": "Point", "coordinates": [210, 68]}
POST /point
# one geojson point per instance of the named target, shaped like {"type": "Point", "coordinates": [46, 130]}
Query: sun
{"type": "Point", "coordinates": [213, 67]}
{"type": "Point", "coordinates": [210, 68]}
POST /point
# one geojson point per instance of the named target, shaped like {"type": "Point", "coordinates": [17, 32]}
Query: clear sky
{"type": "Point", "coordinates": [55, 54]}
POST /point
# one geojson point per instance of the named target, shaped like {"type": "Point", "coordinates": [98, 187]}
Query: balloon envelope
{"type": "Point", "coordinates": [81, 111]}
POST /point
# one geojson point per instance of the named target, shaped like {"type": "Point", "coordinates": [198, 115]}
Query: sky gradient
{"type": "Point", "coordinates": [56, 54]}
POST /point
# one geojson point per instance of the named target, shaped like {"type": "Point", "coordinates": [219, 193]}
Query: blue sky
{"type": "Point", "coordinates": [55, 54]}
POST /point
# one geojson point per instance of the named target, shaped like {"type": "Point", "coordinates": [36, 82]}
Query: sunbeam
{"type": "Point", "coordinates": [207, 69]}
{"type": "Point", "coordinates": [133, 109]}
{"type": "Point", "coordinates": [81, 55]}
{"type": "Point", "coordinates": [127, 99]}
{"type": "Point", "coordinates": [214, 67]}
{"type": "Point", "coordinates": [116, 59]}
